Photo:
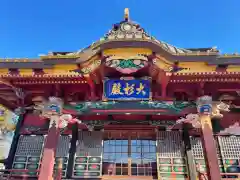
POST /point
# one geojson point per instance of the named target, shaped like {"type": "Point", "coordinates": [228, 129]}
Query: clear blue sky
{"type": "Point", "coordinates": [32, 27]}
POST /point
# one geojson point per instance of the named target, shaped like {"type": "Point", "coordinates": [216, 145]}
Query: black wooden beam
{"type": "Point", "coordinates": [148, 117]}
{"type": "Point", "coordinates": [72, 150]}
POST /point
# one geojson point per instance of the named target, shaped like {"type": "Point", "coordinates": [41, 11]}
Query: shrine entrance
{"type": "Point", "coordinates": [171, 157]}
{"type": "Point", "coordinates": [129, 154]}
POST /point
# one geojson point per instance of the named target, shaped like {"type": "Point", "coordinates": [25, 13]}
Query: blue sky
{"type": "Point", "coordinates": [32, 27]}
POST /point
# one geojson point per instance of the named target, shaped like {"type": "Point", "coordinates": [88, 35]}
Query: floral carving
{"type": "Point", "coordinates": [90, 68]}
{"type": "Point", "coordinates": [127, 66]}
{"type": "Point", "coordinates": [192, 119]}
{"type": "Point", "coordinates": [66, 119]}
{"type": "Point", "coordinates": [232, 130]}
{"type": "Point", "coordinates": [221, 107]}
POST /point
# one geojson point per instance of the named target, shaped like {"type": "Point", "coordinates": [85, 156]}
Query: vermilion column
{"type": "Point", "coordinates": [51, 110]}
{"type": "Point", "coordinates": [205, 110]}
{"type": "Point", "coordinates": [48, 158]}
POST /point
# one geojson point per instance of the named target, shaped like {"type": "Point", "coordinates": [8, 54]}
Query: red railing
{"type": "Point", "coordinates": [17, 174]}
{"type": "Point", "coordinates": [225, 176]}
{"type": "Point", "coordinates": [235, 176]}
{"type": "Point", "coordinates": [23, 174]}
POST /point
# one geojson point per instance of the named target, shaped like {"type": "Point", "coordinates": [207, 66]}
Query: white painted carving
{"type": "Point", "coordinates": [232, 130]}
{"type": "Point", "coordinates": [221, 107]}
{"type": "Point", "coordinates": [192, 119]}
{"type": "Point", "coordinates": [66, 119]}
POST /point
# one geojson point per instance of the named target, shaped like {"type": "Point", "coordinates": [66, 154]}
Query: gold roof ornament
{"type": "Point", "coordinates": [126, 14]}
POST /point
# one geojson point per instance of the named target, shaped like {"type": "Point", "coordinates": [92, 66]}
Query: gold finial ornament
{"type": "Point", "coordinates": [126, 14]}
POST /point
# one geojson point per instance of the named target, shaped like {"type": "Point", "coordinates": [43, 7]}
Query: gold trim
{"type": "Point", "coordinates": [59, 56]}
{"type": "Point", "coordinates": [126, 13]}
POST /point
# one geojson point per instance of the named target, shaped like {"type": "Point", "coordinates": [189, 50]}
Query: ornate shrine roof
{"type": "Point", "coordinates": [125, 34]}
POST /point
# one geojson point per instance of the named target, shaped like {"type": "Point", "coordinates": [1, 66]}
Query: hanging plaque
{"type": "Point", "coordinates": [127, 89]}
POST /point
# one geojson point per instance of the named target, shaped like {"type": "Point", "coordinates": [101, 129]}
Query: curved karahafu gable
{"type": "Point", "coordinates": [125, 35]}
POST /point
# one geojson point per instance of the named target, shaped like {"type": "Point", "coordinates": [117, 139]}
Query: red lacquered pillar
{"type": "Point", "coordinates": [204, 111]}
{"type": "Point", "coordinates": [48, 158]}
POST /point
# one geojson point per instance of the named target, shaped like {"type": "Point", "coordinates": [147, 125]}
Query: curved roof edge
{"type": "Point", "coordinates": [128, 33]}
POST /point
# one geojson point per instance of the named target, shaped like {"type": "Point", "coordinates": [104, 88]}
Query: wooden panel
{"type": "Point", "coordinates": [171, 158]}
{"type": "Point", "coordinates": [62, 153]}
{"type": "Point", "coordinates": [198, 153]}
{"type": "Point", "coordinates": [230, 152]}
{"type": "Point", "coordinates": [88, 157]}
{"type": "Point", "coordinates": [28, 153]}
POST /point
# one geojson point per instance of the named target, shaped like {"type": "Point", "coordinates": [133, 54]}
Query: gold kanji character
{"type": "Point", "coordinates": [129, 89]}
{"type": "Point", "coordinates": [140, 89]}
{"type": "Point", "coordinates": [116, 89]}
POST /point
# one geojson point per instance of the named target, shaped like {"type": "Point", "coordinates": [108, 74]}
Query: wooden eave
{"type": "Point", "coordinates": [212, 58]}
{"type": "Point", "coordinates": [205, 77]}
{"type": "Point", "coordinates": [49, 57]}
{"type": "Point", "coordinates": [236, 80]}
{"type": "Point", "coordinates": [207, 74]}
{"type": "Point", "coordinates": [147, 43]}
{"type": "Point", "coordinates": [155, 43]}
{"type": "Point", "coordinates": [19, 60]}
{"type": "Point", "coordinates": [45, 79]}
{"type": "Point", "coordinates": [138, 38]}
{"type": "Point", "coordinates": [6, 91]}
{"type": "Point", "coordinates": [40, 76]}
{"type": "Point", "coordinates": [51, 81]}
{"type": "Point", "coordinates": [8, 104]}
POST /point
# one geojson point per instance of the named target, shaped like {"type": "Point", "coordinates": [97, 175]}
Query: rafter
{"type": "Point", "coordinates": [8, 104]}
{"type": "Point", "coordinates": [7, 83]}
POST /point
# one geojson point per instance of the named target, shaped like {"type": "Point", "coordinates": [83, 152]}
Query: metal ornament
{"type": "Point", "coordinates": [53, 107]}
{"type": "Point", "coordinates": [204, 105]}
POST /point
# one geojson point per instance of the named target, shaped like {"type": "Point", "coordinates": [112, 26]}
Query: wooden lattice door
{"type": "Point", "coordinates": [171, 157]}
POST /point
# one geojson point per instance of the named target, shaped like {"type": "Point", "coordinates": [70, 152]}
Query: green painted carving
{"type": "Point", "coordinates": [94, 123]}
{"type": "Point", "coordinates": [176, 106]}
{"type": "Point", "coordinates": [164, 107]}
{"type": "Point", "coordinates": [162, 123]}
{"type": "Point", "coordinates": [78, 107]}
{"type": "Point", "coordinates": [103, 105]}
{"type": "Point", "coordinates": [127, 65]}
